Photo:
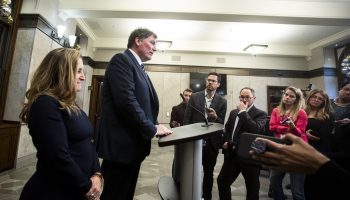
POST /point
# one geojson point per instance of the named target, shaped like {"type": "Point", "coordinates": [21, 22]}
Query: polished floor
{"type": "Point", "coordinates": [156, 165]}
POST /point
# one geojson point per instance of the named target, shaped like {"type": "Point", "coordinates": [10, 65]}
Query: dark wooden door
{"type": "Point", "coordinates": [96, 101]}
{"type": "Point", "coordinates": [9, 135]}
{"type": "Point", "coordinates": [274, 95]}
{"type": "Point", "coordinates": [9, 131]}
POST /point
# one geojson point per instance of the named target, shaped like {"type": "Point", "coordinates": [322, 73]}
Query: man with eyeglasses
{"type": "Point", "coordinates": [245, 118]}
{"type": "Point", "coordinates": [211, 105]}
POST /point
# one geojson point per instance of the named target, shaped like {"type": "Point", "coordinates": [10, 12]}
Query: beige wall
{"type": "Point", "coordinates": [217, 60]}
{"type": "Point", "coordinates": [31, 47]}
{"type": "Point", "coordinates": [168, 86]}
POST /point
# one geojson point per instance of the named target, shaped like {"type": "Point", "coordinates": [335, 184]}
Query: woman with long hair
{"type": "Point", "coordinates": [319, 129]}
{"type": "Point", "coordinates": [289, 117]}
{"type": "Point", "coordinates": [320, 120]}
{"type": "Point", "coordinates": [67, 166]}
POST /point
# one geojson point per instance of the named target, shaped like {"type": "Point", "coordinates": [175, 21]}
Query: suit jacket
{"type": "Point", "coordinates": [129, 111]}
{"type": "Point", "coordinates": [252, 121]}
{"type": "Point", "coordinates": [197, 101]}
{"type": "Point", "coordinates": [178, 113]}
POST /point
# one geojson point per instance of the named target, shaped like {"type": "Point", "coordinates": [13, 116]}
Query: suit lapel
{"type": "Point", "coordinates": [214, 102]}
{"type": "Point", "coordinates": [144, 75]}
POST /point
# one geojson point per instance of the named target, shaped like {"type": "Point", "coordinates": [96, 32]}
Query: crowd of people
{"type": "Point", "coordinates": [317, 127]}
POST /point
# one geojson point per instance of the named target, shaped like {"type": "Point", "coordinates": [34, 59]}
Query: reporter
{"type": "Point", "coordinates": [67, 167]}
{"type": "Point", "coordinates": [341, 136]}
{"type": "Point", "coordinates": [329, 180]}
{"type": "Point", "coordinates": [289, 117]}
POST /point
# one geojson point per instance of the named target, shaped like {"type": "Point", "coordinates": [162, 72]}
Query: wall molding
{"type": "Point", "coordinates": [224, 70]}
{"type": "Point", "coordinates": [39, 22]}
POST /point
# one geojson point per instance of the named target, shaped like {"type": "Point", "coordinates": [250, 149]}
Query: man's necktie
{"type": "Point", "coordinates": [142, 67]}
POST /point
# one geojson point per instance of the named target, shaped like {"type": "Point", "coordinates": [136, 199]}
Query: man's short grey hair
{"type": "Point", "coordinates": [141, 33]}
{"type": "Point", "coordinates": [248, 88]}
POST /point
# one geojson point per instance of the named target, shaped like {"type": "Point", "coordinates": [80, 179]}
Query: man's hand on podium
{"type": "Point", "coordinates": [162, 131]}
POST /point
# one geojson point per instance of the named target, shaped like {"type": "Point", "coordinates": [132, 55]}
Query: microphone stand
{"type": "Point", "coordinates": [207, 124]}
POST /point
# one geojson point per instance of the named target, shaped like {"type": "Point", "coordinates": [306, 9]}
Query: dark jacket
{"type": "Point", "coordinates": [252, 121]}
{"type": "Point", "coordinates": [197, 101]}
{"type": "Point", "coordinates": [178, 113]}
{"type": "Point", "coordinates": [129, 111]}
{"type": "Point", "coordinates": [66, 156]}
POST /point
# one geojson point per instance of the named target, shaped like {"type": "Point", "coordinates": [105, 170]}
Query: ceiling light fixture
{"type": "Point", "coordinates": [255, 49]}
{"type": "Point", "coordinates": [163, 45]}
{"type": "Point", "coordinates": [72, 39]}
{"type": "Point", "coordinates": [60, 31]}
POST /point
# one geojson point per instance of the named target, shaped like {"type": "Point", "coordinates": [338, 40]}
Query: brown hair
{"type": "Point", "coordinates": [325, 108]}
{"type": "Point", "coordinates": [54, 77]}
{"type": "Point", "coordinates": [217, 75]}
{"type": "Point", "coordinates": [141, 33]}
{"type": "Point", "coordinates": [187, 90]}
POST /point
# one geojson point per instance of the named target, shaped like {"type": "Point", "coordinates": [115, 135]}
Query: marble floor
{"type": "Point", "coordinates": [156, 165]}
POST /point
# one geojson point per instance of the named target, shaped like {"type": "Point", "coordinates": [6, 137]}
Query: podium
{"type": "Point", "coordinates": [189, 141]}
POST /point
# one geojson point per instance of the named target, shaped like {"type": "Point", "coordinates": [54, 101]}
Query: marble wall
{"type": "Point", "coordinates": [169, 85]}
{"type": "Point", "coordinates": [19, 74]}
{"type": "Point", "coordinates": [31, 47]}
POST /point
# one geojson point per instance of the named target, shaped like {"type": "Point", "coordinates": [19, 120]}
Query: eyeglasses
{"type": "Point", "coordinates": [318, 98]}
{"type": "Point", "coordinates": [211, 80]}
{"type": "Point", "coordinates": [245, 97]}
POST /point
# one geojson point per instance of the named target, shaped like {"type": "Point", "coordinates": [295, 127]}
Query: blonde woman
{"type": "Point", "coordinates": [67, 166]}
{"type": "Point", "coordinates": [289, 117]}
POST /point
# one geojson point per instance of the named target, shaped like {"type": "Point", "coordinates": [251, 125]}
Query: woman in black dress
{"type": "Point", "coordinates": [67, 166]}
{"type": "Point", "coordinates": [320, 120]}
{"type": "Point", "coordinates": [319, 129]}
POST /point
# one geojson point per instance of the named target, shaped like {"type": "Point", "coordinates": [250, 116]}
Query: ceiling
{"type": "Point", "coordinates": [289, 28]}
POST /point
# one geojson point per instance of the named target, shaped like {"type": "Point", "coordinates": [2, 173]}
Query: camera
{"type": "Point", "coordinates": [248, 142]}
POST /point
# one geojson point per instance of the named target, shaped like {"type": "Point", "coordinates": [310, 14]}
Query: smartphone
{"type": "Point", "coordinates": [245, 145]}
{"type": "Point", "coordinates": [284, 122]}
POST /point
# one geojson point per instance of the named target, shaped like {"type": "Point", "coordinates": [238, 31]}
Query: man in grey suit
{"type": "Point", "coordinates": [208, 104]}
{"type": "Point", "coordinates": [246, 118]}
{"type": "Point", "coordinates": [129, 116]}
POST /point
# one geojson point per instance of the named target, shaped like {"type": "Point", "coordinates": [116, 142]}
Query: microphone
{"type": "Point", "coordinates": [207, 124]}
{"type": "Point", "coordinates": [182, 97]}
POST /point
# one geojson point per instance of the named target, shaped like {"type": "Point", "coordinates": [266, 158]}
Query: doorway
{"type": "Point", "coordinates": [274, 95]}
{"type": "Point", "coordinates": [96, 102]}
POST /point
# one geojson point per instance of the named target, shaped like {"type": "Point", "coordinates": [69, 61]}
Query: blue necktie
{"type": "Point", "coordinates": [142, 67]}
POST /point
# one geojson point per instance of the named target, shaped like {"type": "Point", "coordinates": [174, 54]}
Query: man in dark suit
{"type": "Point", "coordinates": [178, 112]}
{"type": "Point", "coordinates": [129, 116]}
{"type": "Point", "coordinates": [246, 118]}
{"type": "Point", "coordinates": [208, 104]}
